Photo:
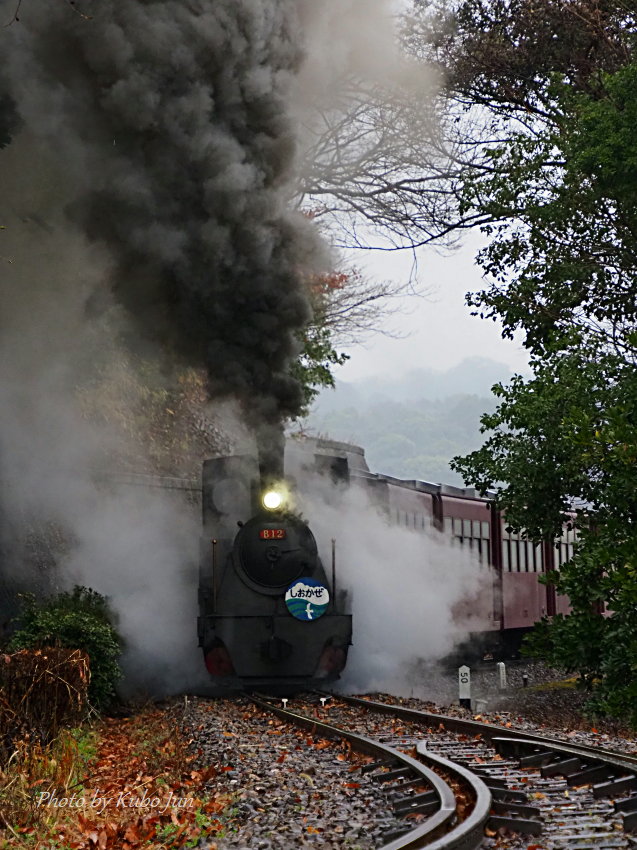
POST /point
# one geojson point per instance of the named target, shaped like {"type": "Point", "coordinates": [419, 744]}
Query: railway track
{"type": "Point", "coordinates": [445, 806]}
{"type": "Point", "coordinates": [452, 779]}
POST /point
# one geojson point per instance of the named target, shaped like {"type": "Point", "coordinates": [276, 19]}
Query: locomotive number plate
{"type": "Point", "coordinates": [272, 533]}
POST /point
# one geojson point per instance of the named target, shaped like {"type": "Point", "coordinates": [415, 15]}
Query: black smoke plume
{"type": "Point", "coordinates": [171, 118]}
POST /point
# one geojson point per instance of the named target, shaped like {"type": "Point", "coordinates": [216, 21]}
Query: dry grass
{"type": "Point", "coordinates": [140, 768]}
{"type": "Point", "coordinates": [560, 685]}
{"type": "Point", "coordinates": [41, 691]}
{"type": "Point", "coordinates": [34, 770]}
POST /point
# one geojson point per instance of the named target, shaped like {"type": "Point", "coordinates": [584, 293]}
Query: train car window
{"type": "Point", "coordinates": [448, 524]}
{"type": "Point", "coordinates": [505, 533]}
{"type": "Point", "coordinates": [485, 531]}
{"type": "Point", "coordinates": [457, 527]}
{"type": "Point", "coordinates": [466, 528]}
{"type": "Point", "coordinates": [506, 561]}
{"type": "Point", "coordinates": [513, 556]}
{"type": "Point", "coordinates": [530, 557]}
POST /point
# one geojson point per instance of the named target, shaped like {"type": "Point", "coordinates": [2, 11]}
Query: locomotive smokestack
{"type": "Point", "coordinates": [271, 449]}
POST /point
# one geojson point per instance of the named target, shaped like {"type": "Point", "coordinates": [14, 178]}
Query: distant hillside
{"type": "Point", "coordinates": [411, 426]}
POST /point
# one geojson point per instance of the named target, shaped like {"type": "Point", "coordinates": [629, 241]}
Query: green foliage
{"type": "Point", "coordinates": [560, 202]}
{"type": "Point", "coordinates": [313, 367]}
{"type": "Point", "coordinates": [79, 619]}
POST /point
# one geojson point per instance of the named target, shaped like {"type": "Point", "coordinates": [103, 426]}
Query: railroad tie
{"type": "Point", "coordinates": [509, 795]}
{"type": "Point", "coordinates": [615, 786]}
{"type": "Point", "coordinates": [630, 821]}
{"type": "Point", "coordinates": [536, 759]}
{"type": "Point", "coordinates": [408, 803]}
{"type": "Point", "coordinates": [589, 775]}
{"type": "Point", "coordinates": [563, 767]}
{"type": "Point", "coordinates": [375, 765]}
{"type": "Point", "coordinates": [390, 775]}
{"type": "Point", "coordinates": [629, 804]}
{"type": "Point", "coordinates": [500, 807]}
{"type": "Point", "coordinates": [523, 825]}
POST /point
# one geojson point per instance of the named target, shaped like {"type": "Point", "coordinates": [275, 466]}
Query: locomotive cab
{"type": "Point", "coordinates": [268, 615]}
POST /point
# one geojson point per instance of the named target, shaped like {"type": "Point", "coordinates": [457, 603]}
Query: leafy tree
{"type": "Point", "coordinates": [313, 367]}
{"type": "Point", "coordinates": [559, 205]}
{"type": "Point", "coordinates": [79, 619]}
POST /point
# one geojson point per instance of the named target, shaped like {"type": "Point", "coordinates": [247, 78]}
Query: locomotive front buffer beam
{"type": "Point", "coordinates": [252, 647]}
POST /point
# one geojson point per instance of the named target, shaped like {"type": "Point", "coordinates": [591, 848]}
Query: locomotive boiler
{"type": "Point", "coordinates": [269, 613]}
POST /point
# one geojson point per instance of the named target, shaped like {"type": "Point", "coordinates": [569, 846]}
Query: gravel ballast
{"type": "Point", "coordinates": [549, 705]}
{"type": "Point", "coordinates": [292, 789]}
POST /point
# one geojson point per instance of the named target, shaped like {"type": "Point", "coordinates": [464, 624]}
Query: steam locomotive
{"type": "Point", "coordinates": [268, 612]}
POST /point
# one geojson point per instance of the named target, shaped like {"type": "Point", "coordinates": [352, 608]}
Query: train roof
{"type": "Point", "coordinates": [359, 468]}
{"type": "Point", "coordinates": [355, 455]}
{"type": "Point", "coordinates": [427, 486]}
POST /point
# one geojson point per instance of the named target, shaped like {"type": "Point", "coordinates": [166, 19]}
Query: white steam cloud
{"type": "Point", "coordinates": [146, 192]}
{"type": "Point", "coordinates": [409, 590]}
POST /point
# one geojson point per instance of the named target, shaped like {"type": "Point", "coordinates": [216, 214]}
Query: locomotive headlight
{"type": "Point", "coordinates": [273, 499]}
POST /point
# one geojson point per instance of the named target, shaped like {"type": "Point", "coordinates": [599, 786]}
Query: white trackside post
{"type": "Point", "coordinates": [464, 686]}
{"type": "Point", "coordinates": [502, 670]}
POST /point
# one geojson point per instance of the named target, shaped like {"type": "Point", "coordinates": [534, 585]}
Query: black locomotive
{"type": "Point", "coordinates": [268, 613]}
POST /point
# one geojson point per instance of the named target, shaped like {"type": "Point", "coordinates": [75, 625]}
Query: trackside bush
{"type": "Point", "coordinates": [79, 619]}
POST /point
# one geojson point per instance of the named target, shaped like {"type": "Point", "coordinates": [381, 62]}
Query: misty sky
{"type": "Point", "coordinates": [438, 328]}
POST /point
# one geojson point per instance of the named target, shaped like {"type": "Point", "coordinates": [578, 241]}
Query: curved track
{"type": "Point", "coordinates": [451, 803]}
{"type": "Point", "coordinates": [491, 730]}
{"type": "Point", "coordinates": [539, 784]}
{"type": "Point", "coordinates": [459, 776]}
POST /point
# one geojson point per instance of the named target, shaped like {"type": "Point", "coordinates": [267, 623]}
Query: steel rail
{"type": "Point", "coordinates": [466, 835]}
{"type": "Point", "coordinates": [489, 731]}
